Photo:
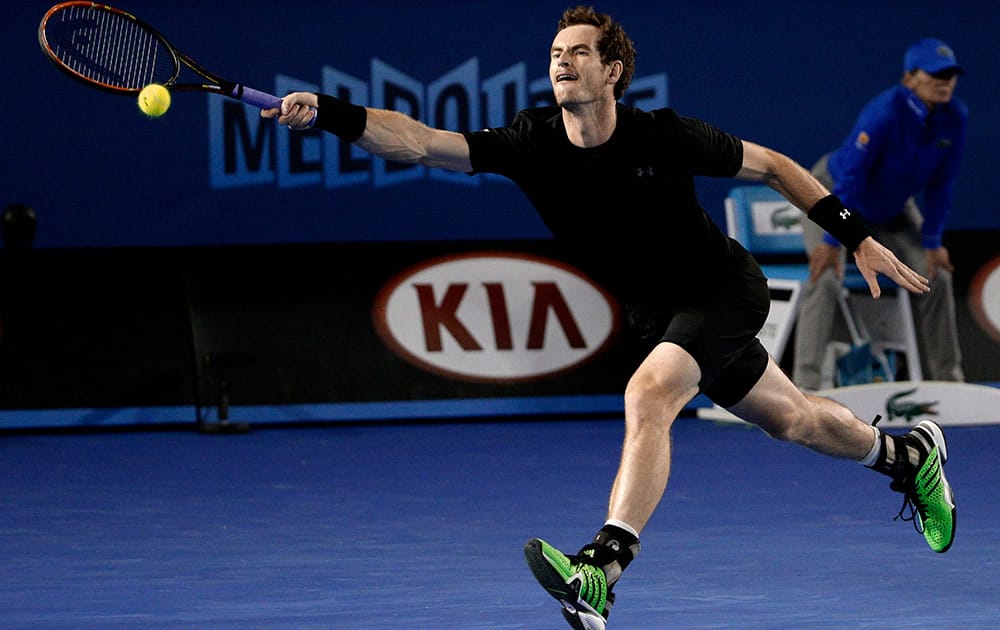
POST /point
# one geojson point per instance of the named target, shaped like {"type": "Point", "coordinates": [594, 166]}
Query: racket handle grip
{"type": "Point", "coordinates": [262, 100]}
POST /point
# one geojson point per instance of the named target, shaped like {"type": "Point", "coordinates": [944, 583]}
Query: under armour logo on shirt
{"type": "Point", "coordinates": [845, 213]}
{"type": "Point", "coordinates": [644, 172]}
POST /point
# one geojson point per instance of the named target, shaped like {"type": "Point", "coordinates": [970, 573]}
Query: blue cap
{"type": "Point", "coordinates": [931, 55]}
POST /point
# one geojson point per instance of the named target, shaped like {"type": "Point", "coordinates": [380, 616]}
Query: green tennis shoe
{"type": "Point", "coordinates": [581, 588]}
{"type": "Point", "coordinates": [929, 501]}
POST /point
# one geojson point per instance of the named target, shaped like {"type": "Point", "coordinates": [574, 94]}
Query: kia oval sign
{"type": "Point", "coordinates": [495, 316]}
{"type": "Point", "coordinates": [984, 297]}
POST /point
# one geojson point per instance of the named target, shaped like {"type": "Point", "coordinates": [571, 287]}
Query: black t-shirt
{"type": "Point", "coordinates": [626, 212]}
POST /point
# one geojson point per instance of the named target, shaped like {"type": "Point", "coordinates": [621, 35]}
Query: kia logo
{"type": "Point", "coordinates": [495, 316]}
{"type": "Point", "coordinates": [984, 297]}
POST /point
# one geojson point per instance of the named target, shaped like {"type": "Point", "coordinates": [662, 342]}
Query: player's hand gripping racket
{"type": "Point", "coordinates": [115, 51]}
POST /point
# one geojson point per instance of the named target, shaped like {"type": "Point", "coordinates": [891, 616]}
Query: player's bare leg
{"type": "Point", "coordinates": [665, 382]}
{"type": "Point", "coordinates": [657, 392]}
{"type": "Point", "coordinates": [659, 389]}
{"type": "Point", "coordinates": [914, 461]}
{"type": "Point", "coordinates": [777, 406]}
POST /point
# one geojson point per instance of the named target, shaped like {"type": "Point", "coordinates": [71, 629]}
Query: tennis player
{"type": "Point", "coordinates": [615, 185]}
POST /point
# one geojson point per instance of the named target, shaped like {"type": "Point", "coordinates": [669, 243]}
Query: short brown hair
{"type": "Point", "coordinates": [613, 43]}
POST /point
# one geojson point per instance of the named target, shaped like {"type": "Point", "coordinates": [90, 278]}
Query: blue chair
{"type": "Point", "coordinates": [770, 227]}
{"type": "Point", "coordinates": [767, 224]}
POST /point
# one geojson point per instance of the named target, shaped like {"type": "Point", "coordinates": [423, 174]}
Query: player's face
{"type": "Point", "coordinates": [932, 89]}
{"type": "Point", "coordinates": [575, 67]}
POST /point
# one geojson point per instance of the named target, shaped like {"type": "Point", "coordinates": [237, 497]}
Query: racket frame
{"type": "Point", "coordinates": [216, 84]}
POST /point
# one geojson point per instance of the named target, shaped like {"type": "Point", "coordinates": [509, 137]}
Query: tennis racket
{"type": "Point", "coordinates": [114, 51]}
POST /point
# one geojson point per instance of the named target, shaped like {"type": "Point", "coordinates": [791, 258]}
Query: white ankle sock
{"type": "Point", "coordinates": [872, 456]}
{"type": "Point", "coordinates": [623, 525]}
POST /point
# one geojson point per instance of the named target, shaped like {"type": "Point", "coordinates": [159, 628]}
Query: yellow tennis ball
{"type": "Point", "coordinates": [154, 100]}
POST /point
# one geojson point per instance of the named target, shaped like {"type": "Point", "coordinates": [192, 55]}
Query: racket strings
{"type": "Point", "coordinates": [108, 48]}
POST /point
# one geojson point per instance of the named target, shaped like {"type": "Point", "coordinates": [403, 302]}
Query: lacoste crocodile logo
{"type": "Point", "coordinates": [786, 217]}
{"type": "Point", "coordinates": [895, 407]}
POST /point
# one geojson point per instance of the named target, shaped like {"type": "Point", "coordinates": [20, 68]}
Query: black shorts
{"type": "Point", "coordinates": [719, 330]}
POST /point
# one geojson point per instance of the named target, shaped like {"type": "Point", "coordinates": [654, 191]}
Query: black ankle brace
{"type": "Point", "coordinates": [613, 549]}
{"type": "Point", "coordinates": [894, 457]}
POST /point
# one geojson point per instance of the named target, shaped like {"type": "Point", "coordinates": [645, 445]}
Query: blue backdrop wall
{"type": "Point", "coordinates": [210, 257]}
{"type": "Point", "coordinates": [790, 75]}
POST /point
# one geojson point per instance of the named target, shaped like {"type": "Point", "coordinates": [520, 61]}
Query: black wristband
{"type": "Point", "coordinates": [830, 214]}
{"type": "Point", "coordinates": [344, 120]}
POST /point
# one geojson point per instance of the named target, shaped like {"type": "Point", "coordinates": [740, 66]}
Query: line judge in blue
{"type": "Point", "coordinates": [907, 141]}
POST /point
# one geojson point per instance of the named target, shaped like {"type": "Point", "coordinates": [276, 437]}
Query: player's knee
{"type": "Point", "coordinates": [640, 391]}
{"type": "Point", "coordinates": [649, 399]}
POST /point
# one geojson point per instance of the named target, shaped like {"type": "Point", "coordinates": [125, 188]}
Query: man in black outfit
{"type": "Point", "coordinates": [615, 185]}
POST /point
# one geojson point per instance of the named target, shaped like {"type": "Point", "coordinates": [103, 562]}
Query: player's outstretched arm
{"type": "Point", "coordinates": [798, 186]}
{"type": "Point", "coordinates": [397, 137]}
{"type": "Point", "coordinates": [390, 135]}
{"type": "Point", "coordinates": [781, 173]}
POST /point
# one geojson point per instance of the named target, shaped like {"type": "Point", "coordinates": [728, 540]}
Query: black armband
{"type": "Point", "coordinates": [830, 214]}
{"type": "Point", "coordinates": [344, 120]}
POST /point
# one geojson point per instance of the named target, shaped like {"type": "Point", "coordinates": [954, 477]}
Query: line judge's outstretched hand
{"type": "Point", "coordinates": [873, 258]}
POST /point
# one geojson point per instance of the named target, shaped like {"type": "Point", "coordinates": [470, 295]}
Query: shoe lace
{"type": "Point", "coordinates": [913, 507]}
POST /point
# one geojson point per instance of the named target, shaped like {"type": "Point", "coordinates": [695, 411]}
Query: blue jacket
{"type": "Point", "coordinates": [897, 149]}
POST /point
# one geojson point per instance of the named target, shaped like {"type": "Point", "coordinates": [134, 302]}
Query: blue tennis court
{"type": "Point", "coordinates": [422, 526]}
